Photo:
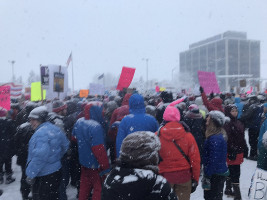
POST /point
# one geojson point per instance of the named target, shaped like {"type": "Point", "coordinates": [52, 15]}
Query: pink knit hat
{"type": "Point", "coordinates": [171, 113]}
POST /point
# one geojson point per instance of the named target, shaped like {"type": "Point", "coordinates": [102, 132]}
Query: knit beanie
{"type": "Point", "coordinates": [40, 113]}
{"type": "Point", "coordinates": [171, 113]}
{"type": "Point", "coordinates": [111, 106]}
{"type": "Point", "coordinates": [218, 118]}
{"type": "Point", "coordinates": [140, 150]}
{"type": "Point", "coordinates": [59, 106]}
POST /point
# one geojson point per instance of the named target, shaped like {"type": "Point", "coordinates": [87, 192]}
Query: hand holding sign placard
{"type": "Point", "coordinates": [208, 81]}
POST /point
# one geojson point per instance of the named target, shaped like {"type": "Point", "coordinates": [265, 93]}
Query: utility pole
{"type": "Point", "coordinates": [12, 63]}
{"type": "Point", "coordinates": [146, 59]}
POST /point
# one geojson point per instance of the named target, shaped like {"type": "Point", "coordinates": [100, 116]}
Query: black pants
{"type": "Point", "coordinates": [253, 141]}
{"type": "Point", "coordinates": [47, 187]}
{"type": "Point", "coordinates": [234, 173]}
{"type": "Point", "coordinates": [25, 188]}
{"type": "Point", "coordinates": [75, 167]}
{"type": "Point", "coordinates": [7, 162]}
{"type": "Point", "coordinates": [216, 190]}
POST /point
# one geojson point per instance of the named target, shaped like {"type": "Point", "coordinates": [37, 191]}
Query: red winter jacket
{"type": "Point", "coordinates": [173, 160]}
{"type": "Point", "coordinates": [122, 111]}
{"type": "Point", "coordinates": [214, 104]}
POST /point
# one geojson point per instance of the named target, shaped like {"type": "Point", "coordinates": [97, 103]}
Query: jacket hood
{"type": "Point", "coordinates": [136, 104]}
{"type": "Point", "coordinates": [172, 131]}
{"type": "Point", "coordinates": [93, 110]}
{"type": "Point", "coordinates": [125, 100]}
{"type": "Point", "coordinates": [217, 102]}
{"type": "Point", "coordinates": [237, 100]}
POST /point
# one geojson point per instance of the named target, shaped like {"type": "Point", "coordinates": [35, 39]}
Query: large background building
{"type": "Point", "coordinates": [229, 53]}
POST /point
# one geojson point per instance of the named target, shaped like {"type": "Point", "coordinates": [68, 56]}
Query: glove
{"type": "Point", "coordinates": [185, 98]}
{"type": "Point", "coordinates": [211, 95]}
{"type": "Point", "coordinates": [30, 181]}
{"type": "Point", "coordinates": [194, 185]}
{"type": "Point", "coordinates": [232, 156]}
{"type": "Point", "coordinates": [206, 183]}
{"type": "Point", "coordinates": [201, 89]}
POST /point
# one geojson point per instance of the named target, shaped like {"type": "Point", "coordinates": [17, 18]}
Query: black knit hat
{"type": "Point", "coordinates": [59, 106]}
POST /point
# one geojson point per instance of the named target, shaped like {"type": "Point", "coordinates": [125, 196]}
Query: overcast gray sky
{"type": "Point", "coordinates": [105, 35]}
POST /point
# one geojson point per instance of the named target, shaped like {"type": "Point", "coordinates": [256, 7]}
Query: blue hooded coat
{"type": "Point", "coordinates": [137, 120]}
{"type": "Point", "coordinates": [90, 135]}
{"type": "Point", "coordinates": [46, 148]}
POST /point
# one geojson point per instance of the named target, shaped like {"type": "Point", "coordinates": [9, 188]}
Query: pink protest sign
{"type": "Point", "coordinates": [157, 88]}
{"type": "Point", "coordinates": [126, 77]}
{"type": "Point", "coordinates": [250, 91]}
{"type": "Point", "coordinates": [5, 97]}
{"type": "Point", "coordinates": [208, 81]}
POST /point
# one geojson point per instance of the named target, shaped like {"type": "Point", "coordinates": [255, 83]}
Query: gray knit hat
{"type": "Point", "coordinates": [140, 149]}
{"type": "Point", "coordinates": [218, 118]}
{"type": "Point", "coordinates": [40, 113]}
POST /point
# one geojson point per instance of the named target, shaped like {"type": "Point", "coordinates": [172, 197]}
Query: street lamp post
{"type": "Point", "coordinates": [146, 59]}
{"type": "Point", "coordinates": [12, 63]}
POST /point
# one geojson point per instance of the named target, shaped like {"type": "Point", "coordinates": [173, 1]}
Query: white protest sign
{"type": "Point", "coordinates": [96, 89]}
{"type": "Point", "coordinates": [258, 187]}
{"type": "Point", "coordinates": [55, 81]}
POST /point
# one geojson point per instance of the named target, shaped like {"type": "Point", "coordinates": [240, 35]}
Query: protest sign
{"type": "Point", "coordinates": [5, 97]}
{"type": "Point", "coordinates": [258, 188]}
{"type": "Point", "coordinates": [208, 81]}
{"type": "Point", "coordinates": [126, 78]}
{"type": "Point", "coordinates": [250, 91]}
{"type": "Point", "coordinates": [96, 89]}
{"type": "Point", "coordinates": [84, 93]}
{"type": "Point", "coordinates": [58, 82]}
{"type": "Point", "coordinates": [54, 78]}
{"type": "Point", "coordinates": [157, 88]}
{"type": "Point", "coordinates": [161, 89]}
{"type": "Point", "coordinates": [36, 94]}
{"type": "Point", "coordinates": [44, 75]}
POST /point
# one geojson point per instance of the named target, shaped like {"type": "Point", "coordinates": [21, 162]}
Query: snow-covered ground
{"type": "Point", "coordinates": [12, 192]}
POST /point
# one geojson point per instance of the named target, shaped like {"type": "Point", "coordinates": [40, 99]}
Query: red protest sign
{"type": "Point", "coordinates": [208, 81]}
{"type": "Point", "coordinates": [126, 77]}
{"type": "Point", "coordinates": [5, 97]}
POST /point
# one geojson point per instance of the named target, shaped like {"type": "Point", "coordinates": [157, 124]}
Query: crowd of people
{"type": "Point", "coordinates": [133, 147]}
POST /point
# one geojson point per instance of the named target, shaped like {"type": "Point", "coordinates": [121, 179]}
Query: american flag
{"type": "Point", "coordinates": [69, 59]}
{"type": "Point", "coordinates": [15, 90]}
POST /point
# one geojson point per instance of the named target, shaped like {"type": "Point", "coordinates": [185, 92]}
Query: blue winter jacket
{"type": "Point", "coordinates": [214, 158]}
{"type": "Point", "coordinates": [137, 120]}
{"type": "Point", "coordinates": [239, 106]}
{"type": "Point", "coordinates": [262, 131]}
{"type": "Point", "coordinates": [89, 133]}
{"type": "Point", "coordinates": [46, 148]}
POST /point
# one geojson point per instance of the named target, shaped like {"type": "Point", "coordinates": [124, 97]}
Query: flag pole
{"type": "Point", "coordinates": [104, 81]}
{"type": "Point", "coordinates": [72, 74]}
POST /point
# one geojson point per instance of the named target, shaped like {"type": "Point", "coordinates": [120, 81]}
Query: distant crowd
{"type": "Point", "coordinates": [131, 146]}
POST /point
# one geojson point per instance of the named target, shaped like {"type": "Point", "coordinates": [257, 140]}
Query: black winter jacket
{"type": "Point", "coordinates": [22, 138]}
{"type": "Point", "coordinates": [136, 184]}
{"type": "Point", "coordinates": [7, 131]}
